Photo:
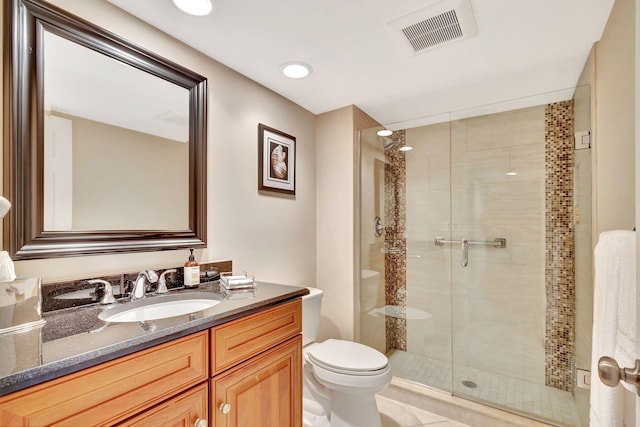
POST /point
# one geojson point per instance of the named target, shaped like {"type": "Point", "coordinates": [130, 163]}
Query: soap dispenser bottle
{"type": "Point", "coordinates": [191, 272]}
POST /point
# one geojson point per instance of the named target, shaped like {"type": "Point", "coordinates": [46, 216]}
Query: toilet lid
{"type": "Point", "coordinates": [348, 357]}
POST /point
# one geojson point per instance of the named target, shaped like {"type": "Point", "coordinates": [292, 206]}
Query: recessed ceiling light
{"type": "Point", "coordinates": [296, 70]}
{"type": "Point", "coordinates": [512, 173]}
{"type": "Point", "coordinates": [405, 148]}
{"type": "Point", "coordinates": [194, 7]}
{"type": "Point", "coordinates": [385, 132]}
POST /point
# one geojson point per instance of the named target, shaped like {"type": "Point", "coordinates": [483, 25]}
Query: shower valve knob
{"type": "Point", "coordinates": [378, 227]}
{"type": "Point", "coordinates": [611, 374]}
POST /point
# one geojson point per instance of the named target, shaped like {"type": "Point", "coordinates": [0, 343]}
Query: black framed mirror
{"type": "Point", "coordinates": [104, 141]}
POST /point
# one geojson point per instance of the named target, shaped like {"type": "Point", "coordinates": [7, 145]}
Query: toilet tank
{"type": "Point", "coordinates": [311, 305]}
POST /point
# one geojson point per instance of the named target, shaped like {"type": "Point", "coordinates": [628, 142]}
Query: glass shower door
{"type": "Point", "coordinates": [474, 248]}
{"type": "Point", "coordinates": [513, 307]}
{"type": "Point", "coordinates": [405, 292]}
{"type": "Point", "coordinates": [428, 280]}
{"type": "Point", "coordinates": [498, 294]}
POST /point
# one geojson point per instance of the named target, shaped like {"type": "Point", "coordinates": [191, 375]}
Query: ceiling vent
{"type": "Point", "coordinates": [436, 25]}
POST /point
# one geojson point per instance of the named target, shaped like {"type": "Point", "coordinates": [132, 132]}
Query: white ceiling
{"type": "Point", "coordinates": [523, 48]}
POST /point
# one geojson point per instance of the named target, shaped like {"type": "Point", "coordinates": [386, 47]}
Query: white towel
{"type": "Point", "coordinates": [614, 320]}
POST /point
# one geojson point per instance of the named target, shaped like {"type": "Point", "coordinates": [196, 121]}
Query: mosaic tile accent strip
{"type": "Point", "coordinates": [395, 242]}
{"type": "Point", "coordinates": [560, 246]}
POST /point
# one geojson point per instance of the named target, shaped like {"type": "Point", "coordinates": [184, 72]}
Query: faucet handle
{"type": "Point", "coordinates": [152, 276]}
{"type": "Point", "coordinates": [108, 297]}
{"type": "Point", "coordinates": [162, 282]}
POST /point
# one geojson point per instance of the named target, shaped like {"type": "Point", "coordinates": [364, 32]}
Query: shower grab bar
{"type": "Point", "coordinates": [391, 251]}
{"type": "Point", "coordinates": [498, 242]}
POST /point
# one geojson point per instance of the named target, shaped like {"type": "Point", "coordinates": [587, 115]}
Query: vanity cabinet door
{"type": "Point", "coordinates": [265, 391]}
{"type": "Point", "coordinates": [186, 409]}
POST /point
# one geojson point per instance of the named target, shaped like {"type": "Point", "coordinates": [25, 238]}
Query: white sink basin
{"type": "Point", "coordinates": [160, 307]}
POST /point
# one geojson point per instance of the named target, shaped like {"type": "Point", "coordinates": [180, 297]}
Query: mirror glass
{"type": "Point", "coordinates": [116, 153]}
{"type": "Point", "coordinates": [105, 142]}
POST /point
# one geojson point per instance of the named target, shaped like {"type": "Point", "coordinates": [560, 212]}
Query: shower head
{"type": "Point", "coordinates": [387, 142]}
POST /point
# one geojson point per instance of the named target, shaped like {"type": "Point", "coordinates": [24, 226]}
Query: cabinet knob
{"type": "Point", "coordinates": [225, 408]}
{"type": "Point", "coordinates": [200, 423]}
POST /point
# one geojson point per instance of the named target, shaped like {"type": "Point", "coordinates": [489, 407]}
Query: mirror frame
{"type": "Point", "coordinates": [24, 236]}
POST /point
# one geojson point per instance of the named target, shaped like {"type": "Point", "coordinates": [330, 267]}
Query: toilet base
{"type": "Point", "coordinates": [313, 414]}
{"type": "Point", "coordinates": [354, 410]}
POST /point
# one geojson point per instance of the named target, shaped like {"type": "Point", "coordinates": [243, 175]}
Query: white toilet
{"type": "Point", "coordinates": [341, 378]}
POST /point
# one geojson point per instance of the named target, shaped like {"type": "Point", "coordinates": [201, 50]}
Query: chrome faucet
{"type": "Point", "coordinates": [140, 285]}
{"type": "Point", "coordinates": [162, 282]}
{"type": "Point", "coordinates": [107, 297]}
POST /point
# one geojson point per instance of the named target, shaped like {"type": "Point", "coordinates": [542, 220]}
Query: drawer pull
{"type": "Point", "coordinates": [200, 423]}
{"type": "Point", "coordinates": [225, 408]}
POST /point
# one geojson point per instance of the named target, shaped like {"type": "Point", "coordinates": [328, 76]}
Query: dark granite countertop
{"type": "Point", "coordinates": [74, 339]}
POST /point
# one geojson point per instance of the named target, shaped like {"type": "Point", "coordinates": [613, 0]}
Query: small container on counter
{"type": "Point", "coordinates": [191, 272]}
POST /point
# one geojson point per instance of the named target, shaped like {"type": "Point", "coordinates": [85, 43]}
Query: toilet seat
{"type": "Point", "coordinates": [348, 358]}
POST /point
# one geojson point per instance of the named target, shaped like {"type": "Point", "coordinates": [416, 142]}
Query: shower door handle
{"type": "Point", "coordinates": [464, 247]}
{"type": "Point", "coordinates": [498, 242]}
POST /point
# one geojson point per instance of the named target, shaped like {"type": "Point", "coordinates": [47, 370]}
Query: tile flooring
{"type": "Point", "coordinates": [406, 404]}
{"type": "Point", "coordinates": [398, 414]}
{"type": "Point", "coordinates": [537, 400]}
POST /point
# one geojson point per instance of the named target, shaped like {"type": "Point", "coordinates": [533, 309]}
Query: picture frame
{"type": "Point", "coordinates": [276, 160]}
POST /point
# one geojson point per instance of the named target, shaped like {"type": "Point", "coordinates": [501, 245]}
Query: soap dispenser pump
{"type": "Point", "coordinates": [191, 272]}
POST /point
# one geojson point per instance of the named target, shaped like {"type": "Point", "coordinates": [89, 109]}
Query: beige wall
{"type": "Point", "coordinates": [335, 222]}
{"type": "Point", "coordinates": [268, 235]}
{"type": "Point", "coordinates": [614, 121]}
{"type": "Point", "coordinates": [153, 172]}
{"type": "Point", "coordinates": [338, 218]}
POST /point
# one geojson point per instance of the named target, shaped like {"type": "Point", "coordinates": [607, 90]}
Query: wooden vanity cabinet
{"type": "Point", "coordinates": [244, 373]}
{"type": "Point", "coordinates": [256, 363]}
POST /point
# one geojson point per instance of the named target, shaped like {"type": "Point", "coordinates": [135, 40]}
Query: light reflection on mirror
{"type": "Point", "coordinates": [116, 144]}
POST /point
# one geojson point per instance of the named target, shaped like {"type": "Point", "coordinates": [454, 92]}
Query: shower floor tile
{"type": "Point", "coordinates": [537, 400]}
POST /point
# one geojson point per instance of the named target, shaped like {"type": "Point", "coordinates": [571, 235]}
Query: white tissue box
{"type": "Point", "coordinates": [235, 294]}
{"type": "Point", "coordinates": [20, 304]}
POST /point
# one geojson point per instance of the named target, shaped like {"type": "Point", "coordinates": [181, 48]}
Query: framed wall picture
{"type": "Point", "coordinates": [276, 160]}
